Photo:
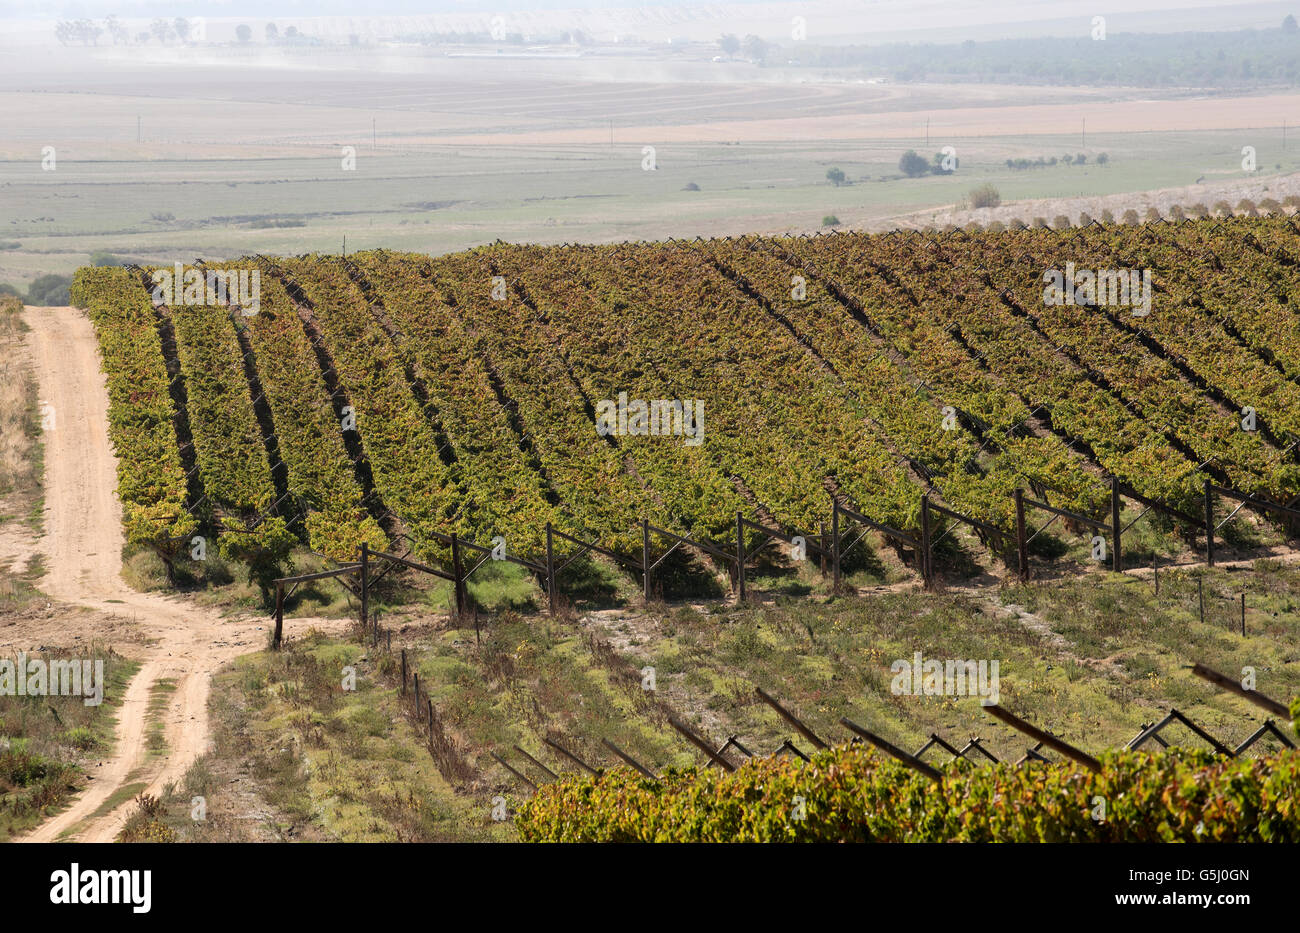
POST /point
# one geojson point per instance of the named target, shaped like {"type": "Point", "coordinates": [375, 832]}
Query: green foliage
{"type": "Point", "coordinates": [913, 164]}
{"type": "Point", "coordinates": [50, 290]}
{"type": "Point", "coordinates": [852, 794]}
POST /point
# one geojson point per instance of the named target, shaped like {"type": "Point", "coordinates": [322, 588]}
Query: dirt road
{"type": "Point", "coordinates": [82, 548]}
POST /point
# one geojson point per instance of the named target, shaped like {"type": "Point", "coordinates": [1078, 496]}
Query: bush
{"type": "Point", "coordinates": [1061, 222]}
{"type": "Point", "coordinates": [854, 794]}
{"type": "Point", "coordinates": [51, 290]}
{"type": "Point", "coordinates": [913, 165]}
{"type": "Point", "coordinates": [984, 196]}
{"type": "Point", "coordinates": [830, 220]}
{"type": "Point", "coordinates": [835, 176]}
{"type": "Point", "coordinates": [1131, 217]}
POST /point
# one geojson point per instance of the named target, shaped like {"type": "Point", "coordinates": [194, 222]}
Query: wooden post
{"type": "Point", "coordinates": [1116, 556]}
{"type": "Point", "coordinates": [1243, 615]}
{"type": "Point", "coordinates": [550, 570]}
{"type": "Point", "coordinates": [430, 701]}
{"type": "Point", "coordinates": [1155, 571]}
{"type": "Point", "coordinates": [740, 557]}
{"type": "Point", "coordinates": [1209, 525]}
{"type": "Point", "coordinates": [279, 614]}
{"type": "Point", "coordinates": [925, 542]}
{"type": "Point", "coordinates": [645, 556]}
{"type": "Point", "coordinates": [403, 670]}
{"type": "Point", "coordinates": [1022, 544]}
{"type": "Point", "coordinates": [455, 569]}
{"type": "Point", "coordinates": [822, 555]}
{"type": "Point", "coordinates": [1200, 597]}
{"type": "Point", "coordinates": [417, 695]}
{"type": "Point", "coordinates": [365, 586]}
{"type": "Point", "coordinates": [835, 545]}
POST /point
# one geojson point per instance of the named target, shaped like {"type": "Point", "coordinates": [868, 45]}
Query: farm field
{"type": "Point", "coordinates": [395, 399]}
{"type": "Point", "coordinates": [237, 154]}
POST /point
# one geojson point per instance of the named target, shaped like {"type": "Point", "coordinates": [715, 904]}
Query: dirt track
{"type": "Point", "coordinates": [82, 548]}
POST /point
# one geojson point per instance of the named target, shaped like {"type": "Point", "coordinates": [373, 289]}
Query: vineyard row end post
{"type": "Point", "coordinates": [550, 570]}
{"type": "Point", "coordinates": [1209, 524]}
{"type": "Point", "coordinates": [365, 586]}
{"type": "Point", "coordinates": [459, 582]}
{"type": "Point", "coordinates": [279, 614]}
{"type": "Point", "coordinates": [645, 557]}
{"type": "Point", "coordinates": [835, 545]}
{"type": "Point", "coordinates": [926, 570]}
{"type": "Point", "coordinates": [1022, 544]}
{"type": "Point", "coordinates": [740, 556]}
{"type": "Point", "coordinates": [1117, 563]}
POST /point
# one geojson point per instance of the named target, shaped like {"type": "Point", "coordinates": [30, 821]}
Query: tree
{"type": "Point", "coordinates": [117, 31]}
{"type": "Point", "coordinates": [50, 290]}
{"type": "Point", "coordinates": [1080, 159]}
{"type": "Point", "coordinates": [182, 27]}
{"type": "Point", "coordinates": [729, 44]}
{"type": "Point", "coordinates": [1102, 158]}
{"type": "Point", "coordinates": [755, 48]}
{"type": "Point", "coordinates": [243, 33]}
{"type": "Point", "coordinates": [835, 176]}
{"type": "Point", "coordinates": [830, 220]}
{"type": "Point", "coordinates": [984, 196]}
{"type": "Point", "coordinates": [291, 32]}
{"type": "Point", "coordinates": [1108, 216]}
{"type": "Point", "coordinates": [1289, 24]}
{"type": "Point", "coordinates": [1061, 222]}
{"type": "Point", "coordinates": [913, 165]}
{"type": "Point", "coordinates": [1067, 158]}
{"type": "Point", "coordinates": [162, 30]}
{"type": "Point", "coordinates": [272, 32]}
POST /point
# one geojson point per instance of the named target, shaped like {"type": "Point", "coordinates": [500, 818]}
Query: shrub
{"type": "Point", "coordinates": [1061, 222]}
{"type": "Point", "coordinates": [984, 196]}
{"type": "Point", "coordinates": [1131, 217]}
{"type": "Point", "coordinates": [835, 176]}
{"type": "Point", "coordinates": [913, 165]}
{"type": "Point", "coordinates": [830, 220]}
{"type": "Point", "coordinates": [854, 794]}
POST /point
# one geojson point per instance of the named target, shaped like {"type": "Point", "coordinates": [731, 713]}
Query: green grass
{"type": "Point", "coordinates": [46, 740]}
{"type": "Point", "coordinates": [559, 194]}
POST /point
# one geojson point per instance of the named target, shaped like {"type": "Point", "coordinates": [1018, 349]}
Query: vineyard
{"type": "Point", "coordinates": [394, 399]}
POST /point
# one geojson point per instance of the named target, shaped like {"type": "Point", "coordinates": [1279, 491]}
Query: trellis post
{"type": "Point", "coordinates": [740, 556]}
{"type": "Point", "coordinates": [1022, 545]}
{"type": "Point", "coordinates": [550, 569]}
{"type": "Point", "coordinates": [1209, 524]}
{"type": "Point", "coordinates": [1116, 529]}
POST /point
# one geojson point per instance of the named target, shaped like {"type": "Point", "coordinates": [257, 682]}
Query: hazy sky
{"type": "Point", "coordinates": [997, 9]}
